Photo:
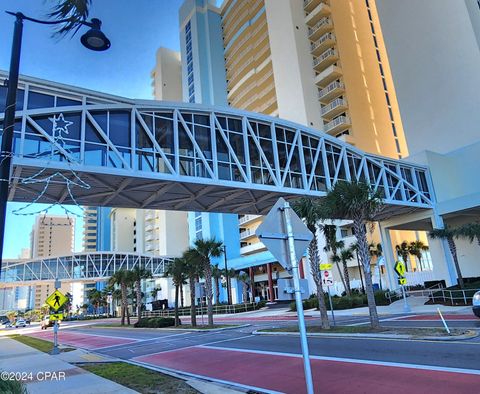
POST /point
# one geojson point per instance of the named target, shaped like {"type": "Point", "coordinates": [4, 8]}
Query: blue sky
{"type": "Point", "coordinates": [135, 28]}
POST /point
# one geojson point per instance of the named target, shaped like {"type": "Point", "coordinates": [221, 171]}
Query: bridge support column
{"type": "Point", "coordinates": [271, 293]}
{"type": "Point", "coordinates": [252, 282]}
{"type": "Point", "coordinates": [389, 257]}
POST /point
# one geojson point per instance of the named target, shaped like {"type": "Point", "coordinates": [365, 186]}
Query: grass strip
{"type": "Point", "coordinates": [368, 330]}
{"type": "Point", "coordinates": [39, 344]}
{"type": "Point", "coordinates": [139, 379]}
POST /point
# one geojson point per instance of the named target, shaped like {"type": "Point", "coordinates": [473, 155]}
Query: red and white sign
{"type": "Point", "coordinates": [327, 278]}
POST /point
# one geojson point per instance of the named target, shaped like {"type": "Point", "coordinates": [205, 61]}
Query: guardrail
{"type": "Point", "coordinates": [439, 295]}
{"type": "Point", "coordinates": [217, 310]}
{"type": "Point", "coordinates": [454, 297]}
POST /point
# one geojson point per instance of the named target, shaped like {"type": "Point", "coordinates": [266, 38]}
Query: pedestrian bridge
{"type": "Point", "coordinates": [76, 146]}
{"type": "Point", "coordinates": [92, 266]}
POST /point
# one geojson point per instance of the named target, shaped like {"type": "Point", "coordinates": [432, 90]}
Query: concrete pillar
{"type": "Point", "coordinates": [437, 222]}
{"type": "Point", "coordinates": [252, 282]}
{"type": "Point", "coordinates": [389, 258]}
{"type": "Point", "coordinates": [270, 283]}
{"type": "Point", "coordinates": [300, 266]}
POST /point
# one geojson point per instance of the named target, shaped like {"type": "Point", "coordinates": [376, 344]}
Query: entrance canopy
{"type": "Point", "coordinates": [101, 150]}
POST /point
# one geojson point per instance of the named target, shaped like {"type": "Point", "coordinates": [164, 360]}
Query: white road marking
{"type": "Point", "coordinates": [354, 361]}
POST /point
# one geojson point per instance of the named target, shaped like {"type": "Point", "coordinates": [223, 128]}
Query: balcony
{"type": "Point", "coordinates": [321, 27]}
{"type": "Point", "coordinates": [323, 43]}
{"type": "Point", "coordinates": [338, 124]}
{"type": "Point", "coordinates": [248, 233]}
{"type": "Point", "coordinates": [309, 5]}
{"type": "Point", "coordinates": [327, 58]}
{"type": "Point", "coordinates": [333, 109]}
{"type": "Point", "coordinates": [328, 75]}
{"type": "Point", "coordinates": [332, 90]}
{"type": "Point", "coordinates": [346, 137]}
{"type": "Point", "coordinates": [248, 218]}
{"type": "Point", "coordinates": [253, 248]}
{"type": "Point", "coordinates": [320, 11]}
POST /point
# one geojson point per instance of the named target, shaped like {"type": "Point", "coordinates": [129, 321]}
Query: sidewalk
{"type": "Point", "coordinates": [417, 306]}
{"type": "Point", "coordinates": [51, 373]}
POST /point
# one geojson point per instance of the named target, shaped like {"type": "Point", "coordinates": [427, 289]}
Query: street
{"type": "Point", "coordinates": [271, 363]}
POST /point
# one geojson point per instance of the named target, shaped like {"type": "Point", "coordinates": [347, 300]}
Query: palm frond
{"type": "Point", "coordinates": [74, 10]}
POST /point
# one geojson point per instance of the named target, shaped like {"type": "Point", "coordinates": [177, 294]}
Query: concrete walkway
{"type": "Point", "coordinates": [47, 374]}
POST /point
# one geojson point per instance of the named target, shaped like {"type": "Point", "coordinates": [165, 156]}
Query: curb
{"type": "Point", "coordinates": [468, 335]}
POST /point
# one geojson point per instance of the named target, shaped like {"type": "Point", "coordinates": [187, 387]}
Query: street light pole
{"type": "Point", "coordinates": [94, 40]}
{"type": "Point", "coordinates": [229, 300]}
{"type": "Point", "coordinates": [8, 126]}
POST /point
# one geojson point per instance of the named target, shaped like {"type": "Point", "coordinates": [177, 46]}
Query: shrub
{"type": "Point", "coordinates": [155, 322]}
{"type": "Point", "coordinates": [261, 304]}
{"type": "Point", "coordinates": [12, 387]}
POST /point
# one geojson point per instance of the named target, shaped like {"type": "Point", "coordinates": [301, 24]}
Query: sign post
{"type": "Point", "coordinates": [327, 280]}
{"type": "Point", "coordinates": [287, 237]}
{"type": "Point", "coordinates": [55, 301]}
{"type": "Point", "coordinates": [400, 269]}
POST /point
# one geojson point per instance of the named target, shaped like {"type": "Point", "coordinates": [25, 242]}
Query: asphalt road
{"type": "Point", "coordinates": [274, 363]}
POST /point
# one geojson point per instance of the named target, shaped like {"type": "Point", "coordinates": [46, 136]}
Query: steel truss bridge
{"type": "Point", "coordinates": [101, 150]}
{"type": "Point", "coordinates": [92, 266]}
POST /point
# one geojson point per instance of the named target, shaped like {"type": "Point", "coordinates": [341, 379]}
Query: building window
{"type": "Point", "coordinates": [198, 225]}
{"type": "Point", "coordinates": [188, 47]}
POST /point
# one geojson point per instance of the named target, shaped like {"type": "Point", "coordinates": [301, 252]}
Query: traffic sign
{"type": "Point", "coordinates": [273, 234]}
{"type": "Point", "coordinates": [56, 300]}
{"type": "Point", "coordinates": [402, 281]}
{"type": "Point", "coordinates": [325, 266]}
{"type": "Point", "coordinates": [400, 268]}
{"type": "Point", "coordinates": [56, 316]}
{"type": "Point", "coordinates": [327, 277]}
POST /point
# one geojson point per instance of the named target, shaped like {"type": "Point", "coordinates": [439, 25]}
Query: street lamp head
{"type": "Point", "coordinates": [94, 39]}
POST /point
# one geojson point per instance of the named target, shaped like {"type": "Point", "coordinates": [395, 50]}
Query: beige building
{"type": "Point", "coordinates": [52, 235]}
{"type": "Point", "coordinates": [167, 76]}
{"type": "Point", "coordinates": [90, 223]}
{"type": "Point", "coordinates": [321, 63]}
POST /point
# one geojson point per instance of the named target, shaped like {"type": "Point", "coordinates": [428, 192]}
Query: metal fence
{"type": "Point", "coordinates": [202, 310]}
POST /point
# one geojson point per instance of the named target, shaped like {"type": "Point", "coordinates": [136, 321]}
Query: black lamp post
{"type": "Point", "coordinates": [229, 296]}
{"type": "Point", "coordinates": [93, 39]}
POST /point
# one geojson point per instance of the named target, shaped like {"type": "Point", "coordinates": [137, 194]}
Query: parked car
{"type": "Point", "coordinates": [476, 304]}
{"type": "Point", "coordinates": [7, 324]}
{"type": "Point", "coordinates": [46, 322]}
{"type": "Point", "coordinates": [20, 323]}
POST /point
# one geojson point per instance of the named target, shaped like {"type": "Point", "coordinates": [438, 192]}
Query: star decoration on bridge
{"type": "Point", "coordinates": [60, 124]}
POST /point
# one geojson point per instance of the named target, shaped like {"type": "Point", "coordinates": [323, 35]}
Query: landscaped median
{"type": "Point", "coordinates": [39, 344]}
{"type": "Point", "coordinates": [367, 332]}
{"type": "Point", "coordinates": [169, 324]}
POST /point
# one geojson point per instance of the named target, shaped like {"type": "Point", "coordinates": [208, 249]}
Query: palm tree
{"type": "Point", "coordinates": [356, 201]}
{"type": "Point", "coordinates": [124, 279]}
{"type": "Point", "coordinates": [176, 270]}
{"type": "Point", "coordinates": [205, 250]}
{"type": "Point", "coordinates": [415, 249]}
{"type": "Point", "coordinates": [376, 250]}
{"type": "Point", "coordinates": [332, 245]}
{"type": "Point", "coordinates": [217, 275]}
{"type": "Point", "coordinates": [230, 274]}
{"type": "Point", "coordinates": [448, 234]}
{"type": "Point", "coordinates": [140, 273]}
{"type": "Point", "coordinates": [245, 279]}
{"type": "Point", "coordinates": [75, 10]}
{"type": "Point", "coordinates": [470, 231]}
{"type": "Point", "coordinates": [345, 256]}
{"type": "Point", "coordinates": [155, 292]}
{"type": "Point", "coordinates": [95, 298]}
{"type": "Point", "coordinates": [307, 209]}
{"type": "Point", "coordinates": [193, 271]}
{"type": "Point", "coordinates": [403, 251]}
